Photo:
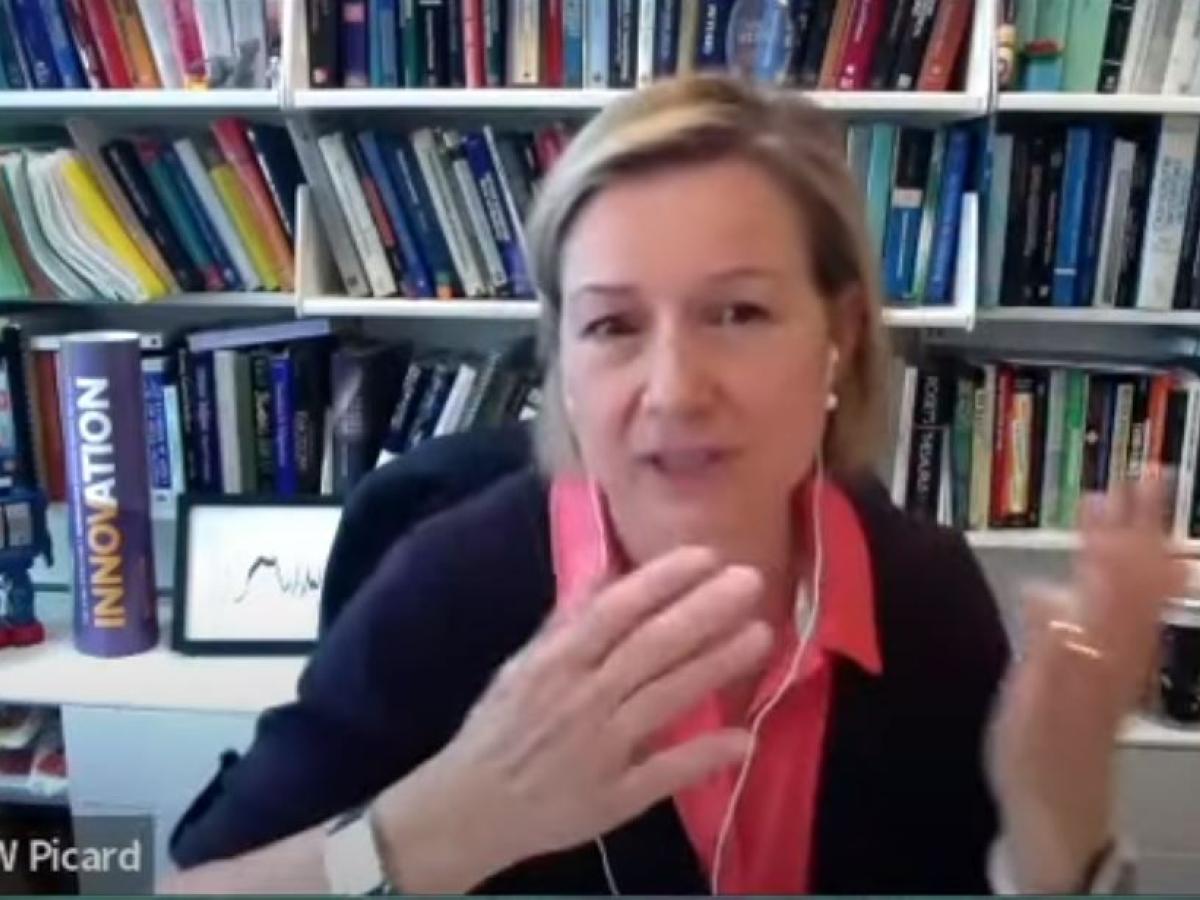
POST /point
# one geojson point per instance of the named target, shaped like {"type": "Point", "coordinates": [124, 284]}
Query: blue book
{"type": "Point", "coordinates": [286, 479]}
{"type": "Point", "coordinates": [35, 39]}
{"type": "Point", "coordinates": [913, 152]}
{"type": "Point", "coordinates": [11, 54]}
{"type": "Point", "coordinates": [208, 231]}
{"type": "Point", "coordinates": [945, 241]}
{"type": "Point", "coordinates": [415, 270]}
{"type": "Point", "coordinates": [666, 38]}
{"type": "Point", "coordinates": [384, 20]}
{"type": "Point", "coordinates": [504, 229]}
{"type": "Point", "coordinates": [711, 36]}
{"type": "Point", "coordinates": [573, 43]}
{"type": "Point", "coordinates": [596, 51]}
{"type": "Point", "coordinates": [879, 182]}
{"type": "Point", "coordinates": [771, 57]}
{"type": "Point", "coordinates": [66, 59]}
{"type": "Point", "coordinates": [1070, 220]}
{"type": "Point", "coordinates": [356, 45]}
{"type": "Point", "coordinates": [419, 210]}
{"type": "Point", "coordinates": [208, 440]}
{"type": "Point", "coordinates": [1093, 212]}
{"type": "Point", "coordinates": [158, 448]}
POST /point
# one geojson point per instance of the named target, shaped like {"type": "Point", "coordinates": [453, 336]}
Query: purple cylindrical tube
{"type": "Point", "coordinates": [104, 430]}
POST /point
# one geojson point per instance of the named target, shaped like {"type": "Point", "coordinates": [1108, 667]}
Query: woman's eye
{"type": "Point", "coordinates": [741, 314]}
{"type": "Point", "coordinates": [608, 327]}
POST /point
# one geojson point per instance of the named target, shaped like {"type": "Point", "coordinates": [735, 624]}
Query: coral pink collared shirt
{"type": "Point", "coordinates": [769, 848]}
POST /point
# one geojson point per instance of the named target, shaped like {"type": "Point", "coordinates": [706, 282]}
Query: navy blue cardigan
{"type": "Point", "coordinates": [902, 808]}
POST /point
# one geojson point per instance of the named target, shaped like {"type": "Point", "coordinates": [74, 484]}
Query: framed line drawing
{"type": "Point", "coordinates": [248, 573]}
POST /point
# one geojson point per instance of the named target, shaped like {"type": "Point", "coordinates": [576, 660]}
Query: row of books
{"type": "Point", "coordinates": [439, 213]}
{"type": "Point", "coordinates": [826, 44]}
{"type": "Point", "coordinates": [1110, 46]}
{"type": "Point", "coordinates": [287, 408]}
{"type": "Point", "coordinates": [1015, 444]}
{"type": "Point", "coordinates": [922, 202]}
{"type": "Point", "coordinates": [175, 44]}
{"type": "Point", "coordinates": [140, 217]}
{"type": "Point", "coordinates": [1095, 215]}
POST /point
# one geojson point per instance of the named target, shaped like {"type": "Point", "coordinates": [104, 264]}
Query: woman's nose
{"type": "Point", "coordinates": [677, 380]}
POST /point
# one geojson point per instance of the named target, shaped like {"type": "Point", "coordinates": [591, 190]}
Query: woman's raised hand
{"type": "Point", "coordinates": [560, 747]}
{"type": "Point", "coordinates": [1087, 653]}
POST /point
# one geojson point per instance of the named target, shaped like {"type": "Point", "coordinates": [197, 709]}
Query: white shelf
{"type": "Point", "coordinates": [216, 300]}
{"type": "Point", "coordinates": [55, 673]}
{"type": "Point", "coordinates": [125, 102]}
{"type": "Point", "coordinates": [1144, 731]}
{"type": "Point", "coordinates": [928, 317]}
{"type": "Point", "coordinates": [928, 106]}
{"type": "Point", "coordinates": [392, 308]}
{"type": "Point", "coordinates": [1050, 315]}
{"type": "Point", "coordinates": [1093, 104]}
{"type": "Point", "coordinates": [1047, 540]}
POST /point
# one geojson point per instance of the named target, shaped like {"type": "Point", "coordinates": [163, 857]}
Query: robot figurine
{"type": "Point", "coordinates": [23, 538]}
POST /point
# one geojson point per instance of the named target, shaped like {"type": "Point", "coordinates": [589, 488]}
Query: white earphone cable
{"type": "Point", "coordinates": [805, 632]}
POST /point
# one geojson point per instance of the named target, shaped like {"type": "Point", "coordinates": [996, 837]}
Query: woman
{"type": "Point", "coordinates": [700, 649]}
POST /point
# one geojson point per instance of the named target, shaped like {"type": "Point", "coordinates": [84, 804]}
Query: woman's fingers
{"type": "Point", "coordinates": [665, 698]}
{"type": "Point", "coordinates": [620, 608]}
{"type": "Point", "coordinates": [670, 771]}
{"type": "Point", "coordinates": [717, 607]}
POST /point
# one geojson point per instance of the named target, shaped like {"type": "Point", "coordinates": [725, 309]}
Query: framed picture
{"type": "Point", "coordinates": [248, 573]}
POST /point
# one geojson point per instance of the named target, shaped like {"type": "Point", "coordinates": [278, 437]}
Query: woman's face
{"type": "Point", "coordinates": [695, 353]}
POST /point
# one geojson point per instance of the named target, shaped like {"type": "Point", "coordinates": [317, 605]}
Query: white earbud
{"type": "Point", "coordinates": [831, 397]}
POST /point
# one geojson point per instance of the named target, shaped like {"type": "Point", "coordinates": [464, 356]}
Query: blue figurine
{"type": "Point", "coordinates": [23, 538]}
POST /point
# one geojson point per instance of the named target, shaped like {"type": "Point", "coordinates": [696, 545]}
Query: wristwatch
{"type": "Point", "coordinates": [352, 861]}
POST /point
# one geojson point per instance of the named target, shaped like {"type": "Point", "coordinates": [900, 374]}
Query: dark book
{"type": "Point", "coordinates": [1182, 295]}
{"type": "Point", "coordinates": [1116, 39]}
{"type": "Point", "coordinates": [34, 37]}
{"type": "Point", "coordinates": [911, 52]}
{"type": "Point", "coordinates": [417, 276]}
{"type": "Point", "coordinates": [1135, 222]}
{"type": "Point", "coordinates": [412, 389]}
{"type": "Point", "coordinates": [887, 53]}
{"type": "Point", "coordinates": [622, 43]}
{"type": "Point", "coordinates": [666, 37]}
{"type": "Point", "coordinates": [441, 379]}
{"type": "Point", "coordinates": [1039, 380]}
{"type": "Point", "coordinates": [126, 168]}
{"type": "Point", "coordinates": [310, 393]}
{"type": "Point", "coordinates": [263, 407]}
{"type": "Point", "coordinates": [1033, 229]}
{"type": "Point", "coordinates": [281, 170]}
{"type": "Point", "coordinates": [412, 53]}
{"type": "Point", "coordinates": [1052, 198]}
{"type": "Point", "coordinates": [804, 12]}
{"type": "Point", "coordinates": [283, 427]}
{"type": "Point", "coordinates": [419, 210]}
{"type": "Point", "coordinates": [366, 380]}
{"type": "Point", "coordinates": [152, 155]}
{"type": "Point", "coordinates": [456, 63]}
{"type": "Point", "coordinates": [84, 41]}
{"type": "Point", "coordinates": [12, 55]}
{"type": "Point", "coordinates": [323, 19]}
{"type": "Point", "coordinates": [19, 463]}
{"type": "Point", "coordinates": [1139, 428]}
{"type": "Point", "coordinates": [712, 35]}
{"type": "Point", "coordinates": [1014, 233]}
{"type": "Point", "coordinates": [433, 26]}
{"type": "Point", "coordinates": [495, 43]}
{"type": "Point", "coordinates": [1095, 194]}
{"type": "Point", "coordinates": [181, 373]}
{"type": "Point", "coordinates": [204, 415]}
{"type": "Point", "coordinates": [355, 55]}
{"type": "Point", "coordinates": [1174, 430]}
{"type": "Point", "coordinates": [207, 231]}
{"type": "Point", "coordinates": [379, 215]}
{"type": "Point", "coordinates": [66, 55]}
{"type": "Point", "coordinates": [928, 442]}
{"type": "Point", "coordinates": [807, 66]}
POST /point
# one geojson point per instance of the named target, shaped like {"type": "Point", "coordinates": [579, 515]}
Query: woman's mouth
{"type": "Point", "coordinates": [687, 464]}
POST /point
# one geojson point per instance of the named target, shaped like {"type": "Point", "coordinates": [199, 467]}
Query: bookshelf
{"type": "Point", "coordinates": [46, 105]}
{"type": "Point", "coordinates": [1047, 540]}
{"type": "Point", "coordinates": [1097, 104]}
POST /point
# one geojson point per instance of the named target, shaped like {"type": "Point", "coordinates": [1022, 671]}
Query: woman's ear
{"type": "Point", "coordinates": [846, 324]}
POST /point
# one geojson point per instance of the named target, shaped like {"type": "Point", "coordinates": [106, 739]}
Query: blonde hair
{"type": "Point", "coordinates": [708, 119]}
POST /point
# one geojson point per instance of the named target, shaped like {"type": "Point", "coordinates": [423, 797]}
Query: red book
{"type": "Point", "coordinates": [946, 42]}
{"type": "Point", "coordinates": [472, 14]}
{"type": "Point", "coordinates": [555, 62]}
{"type": "Point", "coordinates": [188, 47]}
{"type": "Point", "coordinates": [45, 368]}
{"type": "Point", "coordinates": [231, 136]}
{"type": "Point", "coordinates": [85, 43]}
{"type": "Point", "coordinates": [862, 37]}
{"type": "Point", "coordinates": [1002, 446]}
{"type": "Point", "coordinates": [1160, 392]}
{"type": "Point", "coordinates": [111, 51]}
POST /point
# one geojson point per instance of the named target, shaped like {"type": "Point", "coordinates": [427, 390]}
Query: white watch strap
{"type": "Point", "coordinates": [352, 863]}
